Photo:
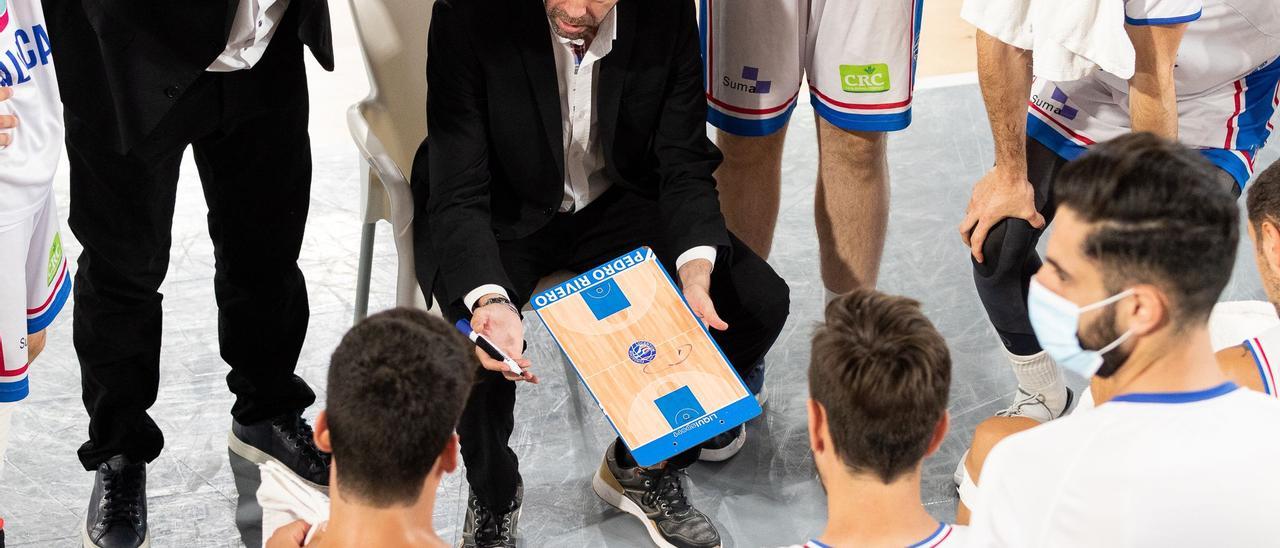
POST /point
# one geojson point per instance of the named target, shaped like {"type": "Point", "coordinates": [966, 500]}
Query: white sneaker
{"type": "Point", "coordinates": [1033, 406]}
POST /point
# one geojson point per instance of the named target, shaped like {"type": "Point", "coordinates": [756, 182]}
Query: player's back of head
{"type": "Point", "coordinates": [881, 372]}
{"type": "Point", "coordinates": [1263, 203]}
{"type": "Point", "coordinates": [1159, 214]}
{"type": "Point", "coordinates": [397, 385]}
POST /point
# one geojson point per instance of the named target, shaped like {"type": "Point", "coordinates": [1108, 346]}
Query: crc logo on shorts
{"type": "Point", "coordinates": [1057, 104]}
{"type": "Point", "coordinates": [871, 78]}
{"type": "Point", "coordinates": [750, 82]}
{"type": "Point", "coordinates": [55, 254]}
{"type": "Point", "coordinates": [642, 352]}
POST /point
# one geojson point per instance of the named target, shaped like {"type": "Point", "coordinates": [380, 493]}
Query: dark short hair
{"type": "Point", "coordinates": [1160, 214]}
{"type": "Point", "coordinates": [1263, 202]}
{"type": "Point", "coordinates": [882, 372]}
{"type": "Point", "coordinates": [397, 385]}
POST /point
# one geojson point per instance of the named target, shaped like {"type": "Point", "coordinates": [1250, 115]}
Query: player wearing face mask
{"type": "Point", "coordinates": [1145, 243]}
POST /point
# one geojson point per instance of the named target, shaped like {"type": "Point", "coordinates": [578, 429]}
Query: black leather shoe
{"type": "Point", "coordinates": [656, 497]}
{"type": "Point", "coordinates": [117, 515]}
{"type": "Point", "coordinates": [286, 439]}
{"type": "Point", "coordinates": [485, 528]}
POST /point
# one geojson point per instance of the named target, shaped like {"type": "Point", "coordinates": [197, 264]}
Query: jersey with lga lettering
{"type": "Point", "coordinates": [1265, 349]}
{"type": "Point", "coordinates": [1226, 76]}
{"type": "Point", "coordinates": [945, 536]}
{"type": "Point", "coordinates": [1143, 469]}
{"type": "Point", "coordinates": [28, 164]}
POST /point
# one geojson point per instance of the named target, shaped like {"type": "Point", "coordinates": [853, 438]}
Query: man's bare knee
{"type": "Point", "coordinates": [989, 433]}
{"type": "Point", "coordinates": [850, 145]}
{"type": "Point", "coordinates": [35, 345]}
{"type": "Point", "coordinates": [750, 148]}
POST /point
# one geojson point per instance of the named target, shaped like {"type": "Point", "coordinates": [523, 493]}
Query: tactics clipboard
{"type": "Point", "coordinates": [651, 366]}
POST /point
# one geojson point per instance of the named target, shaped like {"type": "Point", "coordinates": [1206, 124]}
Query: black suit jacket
{"type": "Point", "coordinates": [496, 165]}
{"type": "Point", "coordinates": [123, 63]}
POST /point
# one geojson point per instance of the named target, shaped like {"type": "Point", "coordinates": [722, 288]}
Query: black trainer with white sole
{"type": "Point", "coordinates": [117, 514]}
{"type": "Point", "coordinates": [656, 497]}
{"type": "Point", "coordinates": [724, 445]}
{"type": "Point", "coordinates": [286, 439]}
{"type": "Point", "coordinates": [485, 528]}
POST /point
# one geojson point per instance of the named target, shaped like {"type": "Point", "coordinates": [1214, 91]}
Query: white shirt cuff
{"type": "Point", "coordinates": [700, 252]}
{"type": "Point", "coordinates": [470, 298]}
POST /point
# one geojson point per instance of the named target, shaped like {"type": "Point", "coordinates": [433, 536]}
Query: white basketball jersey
{"type": "Point", "coordinates": [1266, 349]}
{"type": "Point", "coordinates": [28, 164]}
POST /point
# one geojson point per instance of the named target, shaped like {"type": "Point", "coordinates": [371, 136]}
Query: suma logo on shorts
{"type": "Point", "coordinates": [871, 78]}
{"type": "Point", "coordinates": [750, 83]}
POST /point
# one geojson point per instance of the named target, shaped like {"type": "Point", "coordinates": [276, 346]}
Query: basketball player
{"type": "Point", "coordinates": [34, 281]}
{"type": "Point", "coordinates": [1218, 97]}
{"type": "Point", "coordinates": [859, 61]}
{"type": "Point", "coordinates": [1145, 244]}
{"type": "Point", "coordinates": [1247, 364]}
{"type": "Point", "coordinates": [563, 134]}
{"type": "Point", "coordinates": [879, 374]}
{"type": "Point", "coordinates": [395, 368]}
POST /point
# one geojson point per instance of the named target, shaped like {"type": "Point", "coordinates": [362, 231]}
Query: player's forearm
{"type": "Point", "coordinates": [1153, 102]}
{"type": "Point", "coordinates": [1004, 74]}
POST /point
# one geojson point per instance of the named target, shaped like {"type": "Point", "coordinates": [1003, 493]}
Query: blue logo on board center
{"type": "Point", "coordinates": [642, 352]}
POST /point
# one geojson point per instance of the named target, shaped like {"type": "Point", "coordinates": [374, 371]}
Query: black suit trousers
{"type": "Point", "coordinates": [747, 293]}
{"type": "Point", "coordinates": [255, 167]}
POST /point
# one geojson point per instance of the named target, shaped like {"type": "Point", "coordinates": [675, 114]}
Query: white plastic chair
{"type": "Point", "coordinates": [387, 127]}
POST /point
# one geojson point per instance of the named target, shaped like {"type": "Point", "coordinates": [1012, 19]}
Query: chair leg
{"type": "Point", "coordinates": [365, 271]}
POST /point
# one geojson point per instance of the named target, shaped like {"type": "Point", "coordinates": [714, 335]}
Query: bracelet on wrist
{"type": "Point", "coordinates": [497, 300]}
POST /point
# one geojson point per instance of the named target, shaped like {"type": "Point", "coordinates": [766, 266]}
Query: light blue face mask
{"type": "Point", "coordinates": [1056, 322]}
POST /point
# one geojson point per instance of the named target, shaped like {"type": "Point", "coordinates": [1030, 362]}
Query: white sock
{"type": "Point", "coordinates": [1038, 374]}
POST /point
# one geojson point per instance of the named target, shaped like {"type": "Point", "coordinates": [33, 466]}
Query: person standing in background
{"type": "Point", "coordinates": [141, 81]}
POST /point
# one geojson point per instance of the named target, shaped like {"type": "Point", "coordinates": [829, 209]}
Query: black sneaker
{"type": "Point", "coordinates": [724, 445]}
{"type": "Point", "coordinates": [286, 439]}
{"type": "Point", "coordinates": [656, 497]}
{"type": "Point", "coordinates": [487, 529]}
{"type": "Point", "coordinates": [117, 515]}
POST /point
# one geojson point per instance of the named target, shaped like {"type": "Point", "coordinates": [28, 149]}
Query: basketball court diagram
{"type": "Point", "coordinates": [651, 366]}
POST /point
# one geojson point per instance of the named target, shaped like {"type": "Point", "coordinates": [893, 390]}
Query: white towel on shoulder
{"type": "Point", "coordinates": [285, 498]}
{"type": "Point", "coordinates": [1068, 39]}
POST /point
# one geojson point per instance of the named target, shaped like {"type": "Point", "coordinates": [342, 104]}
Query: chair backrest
{"type": "Point", "coordinates": [393, 38]}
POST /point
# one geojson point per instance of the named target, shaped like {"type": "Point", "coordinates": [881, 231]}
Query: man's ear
{"type": "Point", "coordinates": [321, 435]}
{"type": "Point", "coordinates": [1269, 243]}
{"type": "Point", "coordinates": [447, 462]}
{"type": "Point", "coordinates": [939, 433]}
{"type": "Point", "coordinates": [818, 435]}
{"type": "Point", "coordinates": [1148, 309]}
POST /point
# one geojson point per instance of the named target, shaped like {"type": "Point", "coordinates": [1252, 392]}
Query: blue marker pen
{"type": "Point", "coordinates": [489, 348]}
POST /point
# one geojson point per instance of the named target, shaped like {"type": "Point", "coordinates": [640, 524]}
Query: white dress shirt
{"type": "Point", "coordinates": [584, 175]}
{"type": "Point", "coordinates": [254, 24]}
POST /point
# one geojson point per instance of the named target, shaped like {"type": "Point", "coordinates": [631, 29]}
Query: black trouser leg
{"type": "Point", "coordinates": [484, 430]}
{"type": "Point", "coordinates": [1011, 257]}
{"type": "Point", "coordinates": [256, 173]}
{"type": "Point", "coordinates": [121, 211]}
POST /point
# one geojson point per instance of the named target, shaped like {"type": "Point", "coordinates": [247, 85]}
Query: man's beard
{"type": "Point", "coordinates": [1100, 334]}
{"type": "Point", "coordinates": [587, 22]}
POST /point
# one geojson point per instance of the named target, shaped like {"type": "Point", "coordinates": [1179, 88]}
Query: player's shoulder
{"type": "Point", "coordinates": [1034, 450]}
{"type": "Point", "coordinates": [957, 537]}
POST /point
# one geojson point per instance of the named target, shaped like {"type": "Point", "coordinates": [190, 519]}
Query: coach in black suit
{"type": "Point", "coordinates": [562, 134]}
{"type": "Point", "coordinates": [141, 80]}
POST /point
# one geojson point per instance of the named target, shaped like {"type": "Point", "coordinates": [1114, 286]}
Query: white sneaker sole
{"type": "Point", "coordinates": [84, 536]}
{"type": "Point", "coordinates": [613, 496]}
{"type": "Point", "coordinates": [259, 457]}
{"type": "Point", "coordinates": [724, 453]}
